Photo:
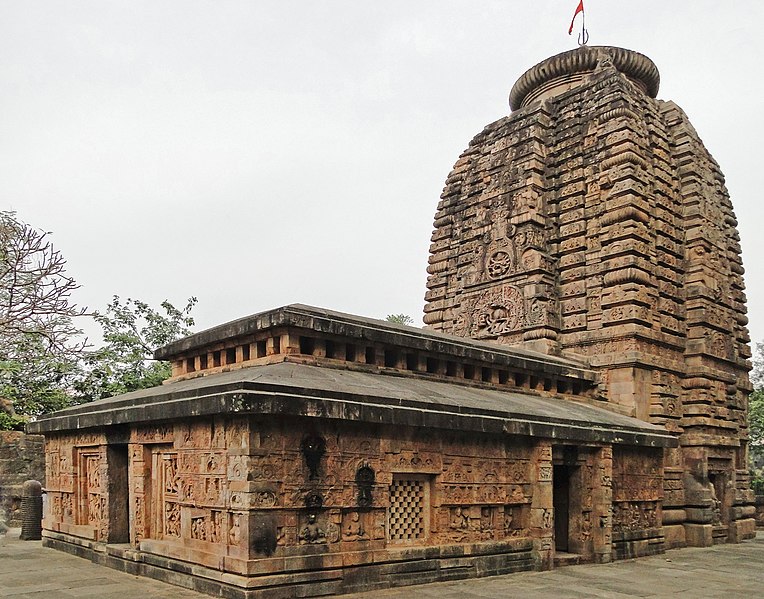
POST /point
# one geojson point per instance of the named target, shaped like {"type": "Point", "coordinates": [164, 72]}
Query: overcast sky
{"type": "Point", "coordinates": [261, 153]}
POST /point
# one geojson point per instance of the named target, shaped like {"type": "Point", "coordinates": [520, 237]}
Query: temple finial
{"type": "Point", "coordinates": [583, 37]}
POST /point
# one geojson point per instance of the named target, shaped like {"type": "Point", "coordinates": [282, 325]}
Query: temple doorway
{"type": "Point", "coordinates": [119, 505]}
{"type": "Point", "coordinates": [561, 503]}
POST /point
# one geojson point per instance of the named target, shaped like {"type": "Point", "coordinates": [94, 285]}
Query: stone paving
{"type": "Point", "coordinates": [28, 571]}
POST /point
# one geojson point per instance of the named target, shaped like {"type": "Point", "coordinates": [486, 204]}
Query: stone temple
{"type": "Point", "coordinates": [578, 395]}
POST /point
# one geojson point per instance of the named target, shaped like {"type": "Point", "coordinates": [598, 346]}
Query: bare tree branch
{"type": "Point", "coordinates": [35, 291]}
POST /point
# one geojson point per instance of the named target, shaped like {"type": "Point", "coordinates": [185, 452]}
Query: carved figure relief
{"type": "Point", "coordinates": [234, 529]}
{"type": "Point", "coordinates": [218, 435]}
{"type": "Point", "coordinates": [629, 516]}
{"type": "Point", "coordinates": [314, 501]}
{"type": "Point", "coordinates": [526, 205]}
{"type": "Point", "coordinates": [153, 434]}
{"type": "Point", "coordinates": [364, 480]}
{"type": "Point", "coordinates": [171, 519]}
{"type": "Point", "coordinates": [96, 509]}
{"type": "Point", "coordinates": [199, 528]}
{"type": "Point", "coordinates": [237, 434]}
{"type": "Point", "coordinates": [509, 518]}
{"type": "Point", "coordinates": [716, 506]}
{"type": "Point", "coordinates": [170, 474]}
{"type": "Point", "coordinates": [313, 449]}
{"type": "Point", "coordinates": [312, 533]}
{"type": "Point", "coordinates": [216, 527]}
{"type": "Point", "coordinates": [586, 526]}
{"type": "Point", "coordinates": [265, 499]}
{"type": "Point", "coordinates": [55, 507]}
{"type": "Point", "coordinates": [458, 519]}
{"type": "Point", "coordinates": [353, 527]}
{"type": "Point", "coordinates": [67, 505]}
{"type": "Point", "coordinates": [486, 520]}
{"type": "Point", "coordinates": [170, 488]}
{"type": "Point", "coordinates": [189, 490]}
{"type": "Point", "coordinates": [499, 263]}
{"type": "Point", "coordinates": [93, 469]}
{"type": "Point", "coordinates": [51, 464]}
{"type": "Point", "coordinates": [333, 532]}
{"type": "Point", "coordinates": [493, 313]}
{"type": "Point", "coordinates": [213, 489]}
{"type": "Point", "coordinates": [547, 518]}
{"type": "Point", "coordinates": [207, 527]}
{"type": "Point", "coordinates": [140, 527]}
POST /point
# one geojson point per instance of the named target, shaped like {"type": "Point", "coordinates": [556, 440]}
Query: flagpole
{"type": "Point", "coordinates": [583, 26]}
{"type": "Point", "coordinates": [584, 34]}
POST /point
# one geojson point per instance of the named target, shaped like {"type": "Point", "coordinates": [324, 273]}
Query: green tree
{"type": "Point", "coordinates": [39, 343]}
{"type": "Point", "coordinates": [756, 399]}
{"type": "Point", "coordinates": [45, 364]}
{"type": "Point", "coordinates": [132, 330]}
{"type": "Point", "coordinates": [35, 381]}
{"type": "Point", "coordinates": [400, 319]}
{"type": "Point", "coordinates": [756, 417]}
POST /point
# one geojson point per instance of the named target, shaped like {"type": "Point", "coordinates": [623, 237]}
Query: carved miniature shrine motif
{"type": "Point", "coordinates": [595, 223]}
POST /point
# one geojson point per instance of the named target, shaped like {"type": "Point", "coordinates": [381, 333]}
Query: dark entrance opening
{"type": "Point", "coordinates": [118, 508]}
{"type": "Point", "coordinates": [561, 505]}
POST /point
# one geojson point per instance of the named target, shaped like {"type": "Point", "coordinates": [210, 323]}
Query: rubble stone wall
{"type": "Point", "coordinates": [21, 459]}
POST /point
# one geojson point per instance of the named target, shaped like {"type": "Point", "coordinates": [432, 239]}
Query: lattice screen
{"type": "Point", "coordinates": [407, 516]}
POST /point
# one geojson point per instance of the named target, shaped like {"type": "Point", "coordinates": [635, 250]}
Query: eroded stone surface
{"type": "Point", "coordinates": [596, 225]}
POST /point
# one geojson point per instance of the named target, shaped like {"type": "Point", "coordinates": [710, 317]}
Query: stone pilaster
{"type": "Point", "coordinates": [542, 510]}
{"type": "Point", "coordinates": [602, 501]}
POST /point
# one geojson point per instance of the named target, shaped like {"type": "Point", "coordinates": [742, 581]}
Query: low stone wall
{"type": "Point", "coordinates": [22, 457]}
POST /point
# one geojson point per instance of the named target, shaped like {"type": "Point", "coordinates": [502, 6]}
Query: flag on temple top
{"type": "Point", "coordinates": [579, 8]}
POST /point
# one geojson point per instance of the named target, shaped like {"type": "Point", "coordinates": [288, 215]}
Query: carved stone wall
{"type": "Point", "coordinates": [637, 502]}
{"type": "Point", "coordinates": [589, 500]}
{"type": "Point", "coordinates": [77, 486]}
{"type": "Point", "coordinates": [21, 459]}
{"type": "Point", "coordinates": [242, 494]}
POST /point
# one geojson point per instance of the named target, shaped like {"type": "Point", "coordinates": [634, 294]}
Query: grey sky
{"type": "Point", "coordinates": [256, 154]}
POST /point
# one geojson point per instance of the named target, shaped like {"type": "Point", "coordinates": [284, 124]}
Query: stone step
{"type": "Point", "coordinates": [563, 558]}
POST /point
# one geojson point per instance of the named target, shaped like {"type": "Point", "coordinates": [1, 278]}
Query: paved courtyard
{"type": "Point", "coordinates": [27, 571]}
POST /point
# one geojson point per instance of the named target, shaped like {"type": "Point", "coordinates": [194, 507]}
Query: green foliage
{"type": "Point", "coordinates": [44, 364]}
{"type": "Point", "coordinates": [132, 330]}
{"type": "Point", "coordinates": [400, 319]}
{"type": "Point", "coordinates": [35, 380]}
{"type": "Point", "coordinates": [11, 422]}
{"type": "Point", "coordinates": [756, 417]}
{"type": "Point", "coordinates": [756, 420]}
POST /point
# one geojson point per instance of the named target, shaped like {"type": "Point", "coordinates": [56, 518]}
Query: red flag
{"type": "Point", "coordinates": [579, 9]}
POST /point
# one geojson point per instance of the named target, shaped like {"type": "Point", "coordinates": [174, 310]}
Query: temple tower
{"type": "Point", "coordinates": [592, 222]}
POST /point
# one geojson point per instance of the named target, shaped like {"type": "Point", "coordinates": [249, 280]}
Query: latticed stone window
{"type": "Point", "coordinates": [408, 515]}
